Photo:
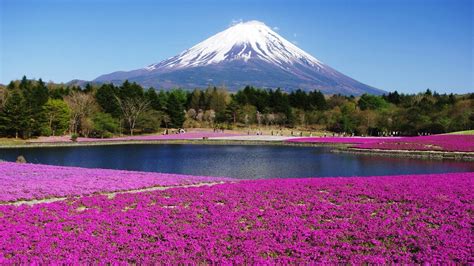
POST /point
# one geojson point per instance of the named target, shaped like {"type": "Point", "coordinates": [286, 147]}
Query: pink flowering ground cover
{"type": "Point", "coordinates": [36, 181]}
{"type": "Point", "coordinates": [184, 136]}
{"type": "Point", "coordinates": [392, 219]}
{"type": "Point", "coordinates": [456, 143]}
{"type": "Point", "coordinates": [345, 140]}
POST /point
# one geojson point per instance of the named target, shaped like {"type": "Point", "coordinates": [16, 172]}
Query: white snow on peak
{"type": "Point", "coordinates": [242, 41]}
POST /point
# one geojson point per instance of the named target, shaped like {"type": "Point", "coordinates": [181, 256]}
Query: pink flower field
{"type": "Point", "coordinates": [392, 219]}
{"type": "Point", "coordinates": [344, 140]}
{"type": "Point", "coordinates": [36, 181]}
{"type": "Point", "coordinates": [184, 136]}
{"type": "Point", "coordinates": [455, 143]}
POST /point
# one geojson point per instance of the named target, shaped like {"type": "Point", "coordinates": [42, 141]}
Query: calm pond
{"type": "Point", "coordinates": [239, 161]}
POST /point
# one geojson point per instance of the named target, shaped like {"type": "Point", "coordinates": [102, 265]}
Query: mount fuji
{"type": "Point", "coordinates": [248, 53]}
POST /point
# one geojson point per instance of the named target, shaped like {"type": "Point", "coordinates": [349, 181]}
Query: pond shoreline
{"type": "Point", "coordinates": [184, 141]}
{"type": "Point", "coordinates": [338, 147]}
{"type": "Point", "coordinates": [431, 155]}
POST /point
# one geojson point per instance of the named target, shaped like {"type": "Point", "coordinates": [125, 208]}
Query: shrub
{"type": "Point", "coordinates": [104, 125]}
{"type": "Point", "coordinates": [20, 159]}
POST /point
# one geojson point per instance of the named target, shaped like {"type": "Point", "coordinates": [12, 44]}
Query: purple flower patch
{"type": "Point", "coordinates": [388, 219]}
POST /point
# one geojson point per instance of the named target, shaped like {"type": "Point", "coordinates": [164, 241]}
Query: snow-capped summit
{"type": "Point", "coordinates": [247, 53]}
{"type": "Point", "coordinates": [243, 41]}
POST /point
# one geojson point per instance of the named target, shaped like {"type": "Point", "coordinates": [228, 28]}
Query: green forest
{"type": "Point", "coordinates": [30, 108]}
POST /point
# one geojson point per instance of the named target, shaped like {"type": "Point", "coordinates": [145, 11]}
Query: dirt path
{"type": "Point", "coordinates": [110, 195]}
{"type": "Point", "coordinates": [254, 138]}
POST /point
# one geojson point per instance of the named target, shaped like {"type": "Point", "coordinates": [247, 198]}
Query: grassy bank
{"type": "Point", "coordinates": [466, 132]}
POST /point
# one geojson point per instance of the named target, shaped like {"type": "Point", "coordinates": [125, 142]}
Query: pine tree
{"type": "Point", "coordinates": [12, 118]}
{"type": "Point", "coordinates": [41, 97]}
{"type": "Point", "coordinates": [88, 88]}
{"type": "Point", "coordinates": [154, 100]}
{"type": "Point", "coordinates": [317, 100]}
{"type": "Point", "coordinates": [105, 97]}
{"type": "Point", "coordinates": [175, 110]}
{"type": "Point", "coordinates": [130, 90]}
{"type": "Point", "coordinates": [195, 101]}
{"type": "Point", "coordinates": [231, 112]}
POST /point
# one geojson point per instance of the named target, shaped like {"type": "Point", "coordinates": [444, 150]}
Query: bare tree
{"type": "Point", "coordinates": [259, 117]}
{"type": "Point", "coordinates": [82, 105]}
{"type": "Point", "coordinates": [131, 109]}
{"type": "Point", "coordinates": [191, 114]}
{"type": "Point", "coordinates": [166, 120]}
{"type": "Point", "coordinates": [270, 118]}
{"type": "Point", "coordinates": [210, 116]}
{"type": "Point", "coordinates": [200, 115]}
{"type": "Point", "coordinates": [246, 119]}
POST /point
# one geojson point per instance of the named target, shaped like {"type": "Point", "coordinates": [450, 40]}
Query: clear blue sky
{"type": "Point", "coordinates": [408, 45]}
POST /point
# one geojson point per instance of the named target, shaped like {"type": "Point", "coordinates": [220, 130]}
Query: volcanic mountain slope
{"type": "Point", "coordinates": [247, 53]}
